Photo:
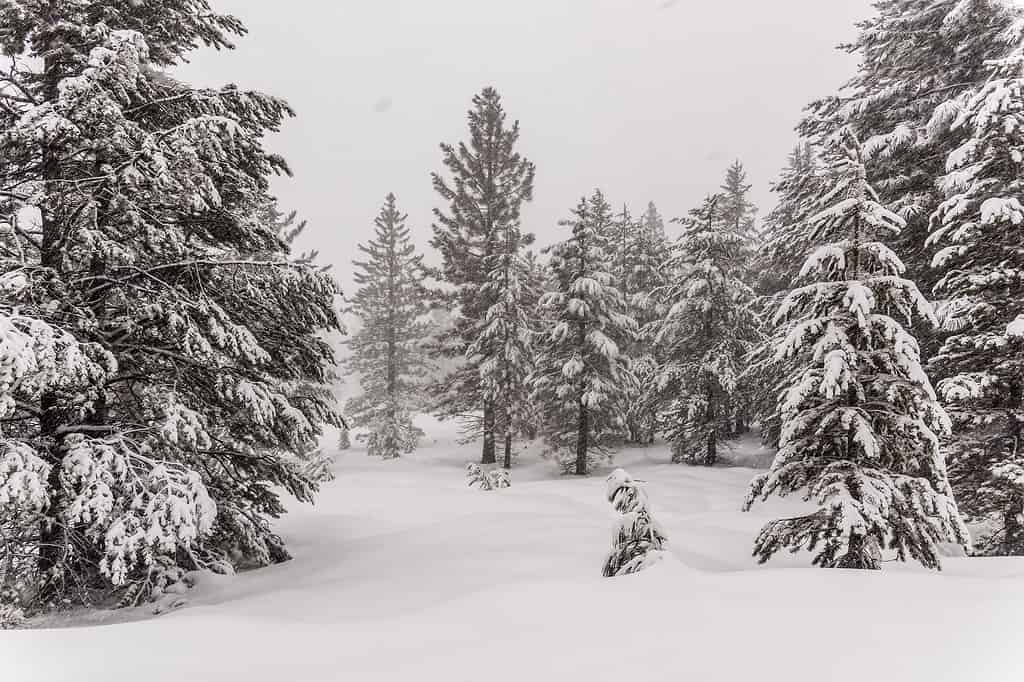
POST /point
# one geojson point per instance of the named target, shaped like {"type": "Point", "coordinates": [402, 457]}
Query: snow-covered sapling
{"type": "Point", "coordinates": [638, 541]}
{"type": "Point", "coordinates": [495, 479]}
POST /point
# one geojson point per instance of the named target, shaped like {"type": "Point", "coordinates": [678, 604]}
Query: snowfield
{"type": "Point", "coordinates": [403, 573]}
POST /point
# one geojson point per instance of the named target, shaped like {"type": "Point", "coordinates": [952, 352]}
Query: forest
{"type": "Point", "coordinates": [169, 383]}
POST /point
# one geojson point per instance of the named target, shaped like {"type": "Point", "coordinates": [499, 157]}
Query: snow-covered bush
{"type": "Point", "coordinates": [709, 327]}
{"type": "Point", "coordinates": [638, 541]}
{"type": "Point", "coordinates": [12, 615]}
{"type": "Point", "coordinates": [392, 438]}
{"type": "Point", "coordinates": [484, 479]}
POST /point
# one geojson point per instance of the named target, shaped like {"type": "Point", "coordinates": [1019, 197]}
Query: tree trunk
{"type": "Point", "coordinates": [861, 553]}
{"type": "Point", "coordinates": [581, 441]}
{"type": "Point", "coordinates": [1013, 516]}
{"type": "Point", "coordinates": [508, 447]}
{"type": "Point", "coordinates": [1013, 527]}
{"type": "Point", "coordinates": [53, 535]}
{"type": "Point", "coordinates": [488, 454]}
{"type": "Point", "coordinates": [711, 454]}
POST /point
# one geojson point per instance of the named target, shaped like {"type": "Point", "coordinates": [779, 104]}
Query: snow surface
{"type": "Point", "coordinates": [401, 572]}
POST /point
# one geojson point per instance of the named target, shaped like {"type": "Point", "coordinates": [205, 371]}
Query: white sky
{"type": "Point", "coordinates": [647, 99]}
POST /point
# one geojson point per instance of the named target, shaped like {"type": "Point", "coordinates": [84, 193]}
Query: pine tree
{"type": "Point", "coordinates": [388, 353]}
{"type": "Point", "coordinates": [534, 284]}
{"type": "Point", "coordinates": [490, 180]}
{"type": "Point", "coordinates": [502, 346]}
{"type": "Point", "coordinates": [167, 332]}
{"type": "Point", "coordinates": [786, 235]}
{"type": "Point", "coordinates": [647, 257]}
{"type": "Point", "coordinates": [861, 423]}
{"type": "Point", "coordinates": [914, 55]}
{"type": "Point", "coordinates": [580, 370]}
{"type": "Point", "coordinates": [787, 240]}
{"type": "Point", "coordinates": [654, 224]}
{"type": "Point", "coordinates": [735, 208]}
{"type": "Point", "coordinates": [709, 327]}
{"type": "Point", "coordinates": [980, 227]}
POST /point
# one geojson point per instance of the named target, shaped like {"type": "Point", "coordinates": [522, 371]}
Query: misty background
{"type": "Point", "coordinates": [646, 99]}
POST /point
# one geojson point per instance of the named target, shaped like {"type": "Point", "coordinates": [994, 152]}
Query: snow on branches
{"type": "Point", "coordinates": [487, 479]}
{"type": "Point", "coordinates": [708, 329]}
{"type": "Point", "coordinates": [978, 231]}
{"type": "Point", "coordinates": [860, 420]}
{"type": "Point", "coordinates": [580, 373]}
{"type": "Point", "coordinates": [639, 542]}
{"type": "Point", "coordinates": [387, 352]}
{"type": "Point", "coordinates": [161, 358]}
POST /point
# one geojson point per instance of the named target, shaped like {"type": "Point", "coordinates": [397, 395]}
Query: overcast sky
{"type": "Point", "coordinates": [647, 99]}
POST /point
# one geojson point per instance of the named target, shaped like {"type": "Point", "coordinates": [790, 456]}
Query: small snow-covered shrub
{"type": "Point", "coordinates": [638, 541]}
{"type": "Point", "coordinates": [393, 438]}
{"type": "Point", "coordinates": [494, 479]}
{"type": "Point", "coordinates": [11, 613]}
{"type": "Point", "coordinates": [344, 440]}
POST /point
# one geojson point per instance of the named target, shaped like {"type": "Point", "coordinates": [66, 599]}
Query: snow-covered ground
{"type": "Point", "coordinates": [402, 573]}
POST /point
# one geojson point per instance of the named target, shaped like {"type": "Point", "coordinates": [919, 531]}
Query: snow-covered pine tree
{"type": "Point", "coordinates": [502, 346]}
{"type": "Point", "coordinates": [913, 56]}
{"type": "Point", "coordinates": [786, 234]}
{"type": "Point", "coordinates": [786, 241]}
{"type": "Point", "coordinates": [980, 229]}
{"type": "Point", "coordinates": [580, 371]}
{"type": "Point", "coordinates": [740, 213]}
{"type": "Point", "coordinates": [387, 353]}
{"type": "Point", "coordinates": [639, 540]}
{"type": "Point", "coordinates": [709, 327]}
{"type": "Point", "coordinates": [155, 328]}
{"type": "Point", "coordinates": [654, 224]}
{"type": "Point", "coordinates": [489, 182]}
{"type": "Point", "coordinates": [647, 255]}
{"type": "Point", "coordinates": [534, 284]}
{"type": "Point", "coordinates": [860, 421]}
{"type": "Point", "coordinates": [735, 207]}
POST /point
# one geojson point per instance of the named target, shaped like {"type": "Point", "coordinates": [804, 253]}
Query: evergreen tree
{"type": "Point", "coordinates": [786, 235]}
{"type": "Point", "coordinates": [388, 352]}
{"type": "Point", "coordinates": [787, 240]}
{"type": "Point", "coordinates": [534, 283]}
{"type": "Point", "coordinates": [654, 224]}
{"type": "Point", "coordinates": [344, 439]}
{"type": "Point", "coordinates": [709, 327]}
{"type": "Point", "coordinates": [914, 55]}
{"type": "Point", "coordinates": [735, 208]}
{"type": "Point", "coordinates": [580, 370]}
{"type": "Point", "coordinates": [980, 227]}
{"type": "Point", "coordinates": [166, 332]}
{"type": "Point", "coordinates": [489, 182]}
{"type": "Point", "coordinates": [502, 346]}
{"type": "Point", "coordinates": [860, 421]}
{"type": "Point", "coordinates": [639, 540]}
{"type": "Point", "coordinates": [648, 255]}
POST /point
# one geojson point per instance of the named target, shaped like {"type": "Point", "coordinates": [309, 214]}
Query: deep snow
{"type": "Point", "coordinates": [403, 573]}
